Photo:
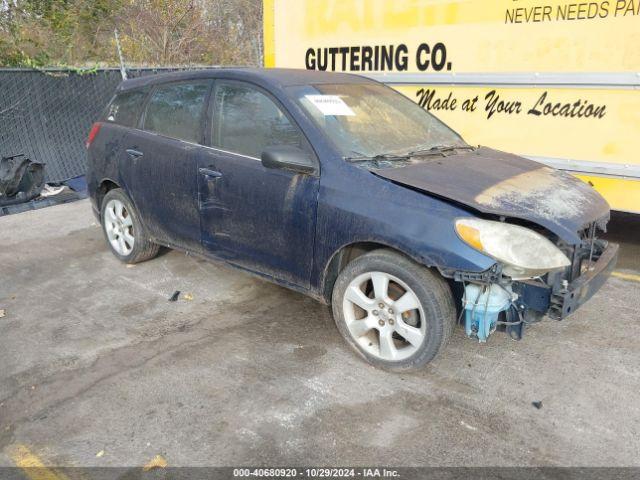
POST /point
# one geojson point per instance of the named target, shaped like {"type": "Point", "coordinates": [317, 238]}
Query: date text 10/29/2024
{"type": "Point", "coordinates": [316, 473]}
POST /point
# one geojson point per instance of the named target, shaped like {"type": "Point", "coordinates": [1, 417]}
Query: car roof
{"type": "Point", "coordinates": [277, 77]}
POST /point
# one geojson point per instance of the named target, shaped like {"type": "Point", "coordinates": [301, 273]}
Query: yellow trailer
{"type": "Point", "coordinates": [556, 81]}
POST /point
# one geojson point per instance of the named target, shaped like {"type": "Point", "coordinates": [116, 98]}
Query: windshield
{"type": "Point", "coordinates": [368, 120]}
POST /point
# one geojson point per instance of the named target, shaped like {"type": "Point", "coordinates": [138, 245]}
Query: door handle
{"type": "Point", "coordinates": [134, 153]}
{"type": "Point", "coordinates": [210, 174]}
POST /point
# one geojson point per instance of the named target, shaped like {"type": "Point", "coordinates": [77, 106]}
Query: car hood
{"type": "Point", "coordinates": [503, 184]}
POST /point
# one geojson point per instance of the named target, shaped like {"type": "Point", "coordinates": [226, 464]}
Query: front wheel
{"type": "Point", "coordinates": [397, 314]}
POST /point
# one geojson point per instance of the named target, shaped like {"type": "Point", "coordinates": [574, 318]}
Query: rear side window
{"type": "Point", "coordinates": [176, 110]}
{"type": "Point", "coordinates": [125, 108]}
{"type": "Point", "coordinates": [247, 121]}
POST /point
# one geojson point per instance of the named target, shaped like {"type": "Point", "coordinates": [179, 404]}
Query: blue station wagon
{"type": "Point", "coordinates": [341, 188]}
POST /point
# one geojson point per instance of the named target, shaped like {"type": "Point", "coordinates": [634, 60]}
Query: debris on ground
{"type": "Point", "coordinates": [2, 313]}
{"type": "Point", "coordinates": [100, 453]}
{"type": "Point", "coordinates": [22, 186]}
{"type": "Point", "coordinates": [51, 190]}
{"type": "Point", "coordinates": [174, 297]}
{"type": "Point", "coordinates": [156, 462]}
{"type": "Point", "coordinates": [467, 426]}
{"type": "Point", "coordinates": [21, 179]}
{"type": "Point", "coordinates": [537, 404]}
{"type": "Point", "coordinates": [188, 296]}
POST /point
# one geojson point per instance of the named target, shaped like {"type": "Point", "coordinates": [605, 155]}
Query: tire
{"type": "Point", "coordinates": [123, 230]}
{"type": "Point", "coordinates": [417, 314]}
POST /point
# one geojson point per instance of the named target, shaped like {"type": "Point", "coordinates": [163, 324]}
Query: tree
{"type": "Point", "coordinates": [162, 32]}
{"type": "Point", "coordinates": [152, 32]}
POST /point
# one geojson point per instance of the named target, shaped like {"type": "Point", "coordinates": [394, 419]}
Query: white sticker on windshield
{"type": "Point", "coordinates": [330, 105]}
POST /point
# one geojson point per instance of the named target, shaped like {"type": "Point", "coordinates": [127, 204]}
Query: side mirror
{"type": "Point", "coordinates": [288, 158]}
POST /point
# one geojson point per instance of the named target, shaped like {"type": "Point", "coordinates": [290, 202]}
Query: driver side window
{"type": "Point", "coordinates": [246, 121]}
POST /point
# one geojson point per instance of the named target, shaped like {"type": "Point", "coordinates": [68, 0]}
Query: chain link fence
{"type": "Point", "coordinates": [46, 114]}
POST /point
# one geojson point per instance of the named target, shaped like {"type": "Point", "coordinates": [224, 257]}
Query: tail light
{"type": "Point", "coordinates": [95, 128]}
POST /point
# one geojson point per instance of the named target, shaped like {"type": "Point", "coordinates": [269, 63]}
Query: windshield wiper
{"type": "Point", "coordinates": [436, 150]}
{"type": "Point", "coordinates": [439, 149]}
{"type": "Point", "coordinates": [376, 158]}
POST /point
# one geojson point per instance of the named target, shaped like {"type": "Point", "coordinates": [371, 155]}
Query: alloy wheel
{"type": "Point", "coordinates": [119, 227]}
{"type": "Point", "coordinates": [384, 316]}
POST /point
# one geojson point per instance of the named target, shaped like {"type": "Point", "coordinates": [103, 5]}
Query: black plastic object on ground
{"type": "Point", "coordinates": [75, 189]}
{"type": "Point", "coordinates": [20, 179]}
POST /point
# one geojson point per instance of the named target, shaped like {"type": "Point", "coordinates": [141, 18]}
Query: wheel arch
{"type": "Point", "coordinates": [345, 254]}
{"type": "Point", "coordinates": [105, 185]}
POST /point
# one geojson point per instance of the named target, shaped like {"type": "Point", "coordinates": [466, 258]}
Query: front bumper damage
{"type": "Point", "coordinates": [593, 274]}
{"type": "Point", "coordinates": [493, 301]}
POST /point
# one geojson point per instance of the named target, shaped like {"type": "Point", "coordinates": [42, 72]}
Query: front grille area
{"type": "Point", "coordinates": [583, 257]}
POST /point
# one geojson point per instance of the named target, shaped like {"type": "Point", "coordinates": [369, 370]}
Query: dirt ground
{"type": "Point", "coordinates": [97, 368]}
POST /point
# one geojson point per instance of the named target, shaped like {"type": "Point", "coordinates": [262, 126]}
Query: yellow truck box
{"type": "Point", "coordinates": [556, 81]}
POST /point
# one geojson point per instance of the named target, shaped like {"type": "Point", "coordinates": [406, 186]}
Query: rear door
{"type": "Point", "coordinates": [162, 162]}
{"type": "Point", "coordinates": [107, 158]}
{"type": "Point", "coordinates": [259, 218]}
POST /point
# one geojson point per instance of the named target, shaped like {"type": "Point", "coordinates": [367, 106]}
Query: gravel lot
{"type": "Point", "coordinates": [94, 359]}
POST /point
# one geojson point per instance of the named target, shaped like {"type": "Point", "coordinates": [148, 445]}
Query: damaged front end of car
{"type": "Point", "coordinates": [538, 224]}
{"type": "Point", "coordinates": [533, 276]}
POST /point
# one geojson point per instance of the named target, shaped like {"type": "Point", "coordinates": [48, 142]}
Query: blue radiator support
{"type": "Point", "coordinates": [482, 306]}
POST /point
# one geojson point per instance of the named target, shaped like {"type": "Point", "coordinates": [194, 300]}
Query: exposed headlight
{"type": "Point", "coordinates": [523, 252]}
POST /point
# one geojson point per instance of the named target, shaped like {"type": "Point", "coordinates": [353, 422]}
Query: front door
{"type": "Point", "coordinates": [259, 218]}
{"type": "Point", "coordinates": [162, 177]}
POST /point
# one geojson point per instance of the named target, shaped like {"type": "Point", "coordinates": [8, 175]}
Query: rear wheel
{"type": "Point", "coordinates": [123, 230]}
{"type": "Point", "coordinates": [397, 314]}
